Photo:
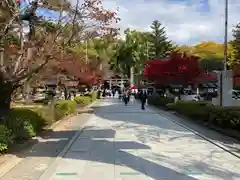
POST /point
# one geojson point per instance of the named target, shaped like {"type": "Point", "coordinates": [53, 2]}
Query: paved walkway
{"type": "Point", "coordinates": [125, 143]}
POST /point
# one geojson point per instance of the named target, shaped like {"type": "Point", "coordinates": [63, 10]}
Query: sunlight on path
{"type": "Point", "coordinates": [124, 142]}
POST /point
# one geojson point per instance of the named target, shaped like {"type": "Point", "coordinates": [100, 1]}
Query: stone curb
{"type": "Point", "coordinates": [212, 127]}
{"type": "Point", "coordinates": [221, 146]}
{"type": "Point", "coordinates": [48, 172]}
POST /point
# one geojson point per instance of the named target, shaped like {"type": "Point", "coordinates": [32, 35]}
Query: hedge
{"type": "Point", "coordinates": [94, 95]}
{"type": "Point", "coordinates": [193, 109]}
{"type": "Point", "coordinates": [160, 101]}
{"type": "Point", "coordinates": [226, 118]}
{"type": "Point", "coordinates": [83, 100]}
{"type": "Point", "coordinates": [5, 138]}
{"type": "Point", "coordinates": [87, 99]}
{"type": "Point", "coordinates": [64, 108]}
{"type": "Point", "coordinates": [24, 123]}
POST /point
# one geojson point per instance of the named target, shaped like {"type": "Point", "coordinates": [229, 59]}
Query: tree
{"type": "Point", "coordinates": [23, 57]}
{"type": "Point", "coordinates": [236, 45]}
{"type": "Point", "coordinates": [130, 53]}
{"type": "Point", "coordinates": [177, 69]}
{"type": "Point", "coordinates": [159, 46]}
{"type": "Point", "coordinates": [211, 54]}
{"type": "Point", "coordinates": [211, 64]}
{"type": "Point", "coordinates": [138, 47]}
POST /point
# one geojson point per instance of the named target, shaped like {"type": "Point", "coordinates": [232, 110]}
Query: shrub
{"type": "Point", "coordinates": [64, 108]}
{"type": "Point", "coordinates": [159, 100]}
{"type": "Point", "coordinates": [171, 106]}
{"type": "Point", "coordinates": [196, 109]}
{"type": "Point", "coordinates": [44, 112]}
{"type": "Point", "coordinates": [5, 138]}
{"type": "Point", "coordinates": [83, 100]}
{"type": "Point", "coordinates": [24, 123]}
{"type": "Point", "coordinates": [219, 116]}
{"type": "Point", "coordinates": [94, 95]}
{"type": "Point", "coordinates": [224, 117]}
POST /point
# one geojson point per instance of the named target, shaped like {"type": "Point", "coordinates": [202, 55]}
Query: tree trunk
{"type": "Point", "coordinates": [6, 91]}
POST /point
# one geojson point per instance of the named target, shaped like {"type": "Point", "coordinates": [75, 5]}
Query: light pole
{"type": "Point", "coordinates": [223, 75]}
{"type": "Point", "coordinates": [226, 37]}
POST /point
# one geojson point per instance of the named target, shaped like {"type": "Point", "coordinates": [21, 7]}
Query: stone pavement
{"type": "Point", "coordinates": [31, 163]}
{"type": "Point", "coordinates": [125, 143]}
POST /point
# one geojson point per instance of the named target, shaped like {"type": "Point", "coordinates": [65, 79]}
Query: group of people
{"type": "Point", "coordinates": [126, 94]}
{"type": "Point", "coordinates": [142, 96]}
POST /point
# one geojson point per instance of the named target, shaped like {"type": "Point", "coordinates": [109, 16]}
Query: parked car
{"type": "Point", "coordinates": [193, 97]}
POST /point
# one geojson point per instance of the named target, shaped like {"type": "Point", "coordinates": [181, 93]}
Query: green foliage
{"type": "Point", "coordinates": [132, 52]}
{"type": "Point", "coordinates": [159, 46]}
{"type": "Point", "coordinates": [159, 100]}
{"type": "Point", "coordinates": [211, 54]}
{"type": "Point", "coordinates": [139, 47]}
{"type": "Point", "coordinates": [228, 118]}
{"type": "Point", "coordinates": [44, 112]}
{"type": "Point", "coordinates": [24, 123]}
{"type": "Point", "coordinates": [64, 108]}
{"type": "Point", "coordinates": [233, 54]}
{"type": "Point", "coordinates": [236, 44]}
{"type": "Point", "coordinates": [99, 51]}
{"type": "Point", "coordinates": [193, 109]}
{"type": "Point", "coordinates": [87, 99]}
{"type": "Point", "coordinates": [236, 88]}
{"type": "Point", "coordinates": [83, 100]}
{"type": "Point", "coordinates": [5, 138]}
{"type": "Point", "coordinates": [94, 95]}
{"type": "Point", "coordinates": [211, 63]}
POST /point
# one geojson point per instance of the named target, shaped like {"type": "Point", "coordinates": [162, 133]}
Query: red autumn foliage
{"type": "Point", "coordinates": [74, 67]}
{"type": "Point", "coordinates": [178, 68]}
{"type": "Point", "coordinates": [82, 71]}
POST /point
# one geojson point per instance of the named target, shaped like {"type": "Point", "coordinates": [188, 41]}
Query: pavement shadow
{"type": "Point", "coordinates": [131, 116]}
{"type": "Point", "coordinates": [100, 145]}
{"type": "Point", "coordinates": [231, 143]}
{"type": "Point", "coordinates": [97, 145]}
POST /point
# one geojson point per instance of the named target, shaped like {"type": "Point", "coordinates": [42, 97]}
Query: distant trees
{"type": "Point", "coordinates": [159, 45]}
{"type": "Point", "coordinates": [235, 54]}
{"type": "Point", "coordinates": [211, 54]}
{"type": "Point", "coordinates": [138, 47]}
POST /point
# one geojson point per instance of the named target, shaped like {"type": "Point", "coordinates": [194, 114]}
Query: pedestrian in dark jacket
{"type": "Point", "coordinates": [143, 98]}
{"type": "Point", "coordinates": [125, 98]}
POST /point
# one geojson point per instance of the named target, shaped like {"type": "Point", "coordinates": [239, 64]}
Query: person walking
{"type": "Point", "coordinates": [143, 98]}
{"type": "Point", "coordinates": [125, 98]}
{"type": "Point", "coordinates": [113, 92]}
{"type": "Point", "coordinates": [119, 94]}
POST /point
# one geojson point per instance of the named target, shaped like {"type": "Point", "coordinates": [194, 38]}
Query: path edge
{"type": "Point", "coordinates": [219, 145]}
{"type": "Point", "coordinates": [14, 160]}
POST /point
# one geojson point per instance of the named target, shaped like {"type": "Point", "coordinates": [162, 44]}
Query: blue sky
{"type": "Point", "coordinates": [40, 11]}
{"type": "Point", "coordinates": [186, 21]}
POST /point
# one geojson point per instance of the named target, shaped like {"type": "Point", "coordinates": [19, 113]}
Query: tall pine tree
{"type": "Point", "coordinates": [158, 44]}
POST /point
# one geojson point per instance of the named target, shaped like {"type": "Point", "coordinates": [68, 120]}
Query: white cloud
{"type": "Point", "coordinates": [186, 21]}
